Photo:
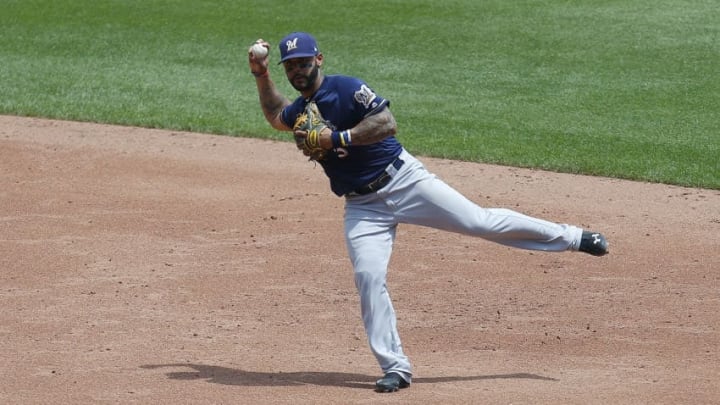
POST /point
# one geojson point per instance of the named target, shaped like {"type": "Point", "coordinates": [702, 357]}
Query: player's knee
{"type": "Point", "coordinates": [366, 279]}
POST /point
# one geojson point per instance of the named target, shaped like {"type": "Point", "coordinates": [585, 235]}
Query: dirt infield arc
{"type": "Point", "coordinates": [152, 266]}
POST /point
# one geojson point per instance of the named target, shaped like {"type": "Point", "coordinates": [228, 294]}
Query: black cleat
{"type": "Point", "coordinates": [594, 243]}
{"type": "Point", "coordinates": [391, 383]}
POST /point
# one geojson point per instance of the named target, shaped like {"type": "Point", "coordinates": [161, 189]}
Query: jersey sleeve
{"type": "Point", "coordinates": [348, 100]}
{"type": "Point", "coordinates": [289, 113]}
{"type": "Point", "coordinates": [366, 101]}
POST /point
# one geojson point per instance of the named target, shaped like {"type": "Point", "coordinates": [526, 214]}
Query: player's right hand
{"type": "Point", "coordinates": [258, 66]}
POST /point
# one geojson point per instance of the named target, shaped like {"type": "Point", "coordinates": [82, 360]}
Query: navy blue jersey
{"type": "Point", "coordinates": [343, 102]}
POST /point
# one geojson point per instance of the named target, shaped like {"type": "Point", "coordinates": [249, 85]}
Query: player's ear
{"type": "Point", "coordinates": [319, 59]}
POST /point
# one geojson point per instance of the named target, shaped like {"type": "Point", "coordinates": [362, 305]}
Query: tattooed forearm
{"type": "Point", "coordinates": [272, 102]}
{"type": "Point", "coordinates": [374, 128]}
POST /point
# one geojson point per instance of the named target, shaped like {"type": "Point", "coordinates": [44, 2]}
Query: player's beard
{"type": "Point", "coordinates": [309, 80]}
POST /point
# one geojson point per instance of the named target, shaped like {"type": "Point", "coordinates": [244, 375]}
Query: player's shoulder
{"type": "Point", "coordinates": [349, 85]}
{"type": "Point", "coordinates": [297, 104]}
{"type": "Point", "coordinates": [290, 111]}
{"type": "Point", "coordinates": [357, 90]}
{"type": "Point", "coordinates": [343, 81]}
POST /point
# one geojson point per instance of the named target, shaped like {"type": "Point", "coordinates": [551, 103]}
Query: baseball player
{"type": "Point", "coordinates": [344, 125]}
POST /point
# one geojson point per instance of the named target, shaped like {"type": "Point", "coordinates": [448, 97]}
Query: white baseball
{"type": "Point", "coordinates": [259, 51]}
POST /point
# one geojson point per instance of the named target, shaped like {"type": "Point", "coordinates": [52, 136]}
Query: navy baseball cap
{"type": "Point", "coordinates": [297, 45]}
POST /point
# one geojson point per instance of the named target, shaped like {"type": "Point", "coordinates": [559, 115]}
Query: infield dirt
{"type": "Point", "coordinates": [152, 266]}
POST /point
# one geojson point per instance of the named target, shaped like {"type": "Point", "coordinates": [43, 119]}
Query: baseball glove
{"type": "Point", "coordinates": [310, 123]}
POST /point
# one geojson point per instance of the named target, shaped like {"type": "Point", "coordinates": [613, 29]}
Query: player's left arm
{"type": "Point", "coordinates": [373, 128]}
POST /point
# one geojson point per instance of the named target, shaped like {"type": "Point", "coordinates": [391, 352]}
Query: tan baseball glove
{"type": "Point", "coordinates": [306, 130]}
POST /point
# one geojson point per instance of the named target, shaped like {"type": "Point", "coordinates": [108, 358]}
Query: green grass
{"type": "Point", "coordinates": [620, 88]}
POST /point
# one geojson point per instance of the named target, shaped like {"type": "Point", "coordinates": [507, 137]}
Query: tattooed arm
{"type": "Point", "coordinates": [371, 129]}
{"type": "Point", "coordinates": [374, 128]}
{"type": "Point", "coordinates": [271, 102]}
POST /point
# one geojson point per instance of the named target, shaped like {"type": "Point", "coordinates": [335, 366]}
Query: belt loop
{"type": "Point", "coordinates": [394, 167]}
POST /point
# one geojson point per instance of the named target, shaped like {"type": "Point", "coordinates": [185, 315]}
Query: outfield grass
{"type": "Point", "coordinates": [625, 89]}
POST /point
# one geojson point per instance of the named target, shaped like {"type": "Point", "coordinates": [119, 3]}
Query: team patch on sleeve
{"type": "Point", "coordinates": [365, 96]}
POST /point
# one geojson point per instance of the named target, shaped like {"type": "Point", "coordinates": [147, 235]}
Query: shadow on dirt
{"type": "Point", "coordinates": [231, 376]}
